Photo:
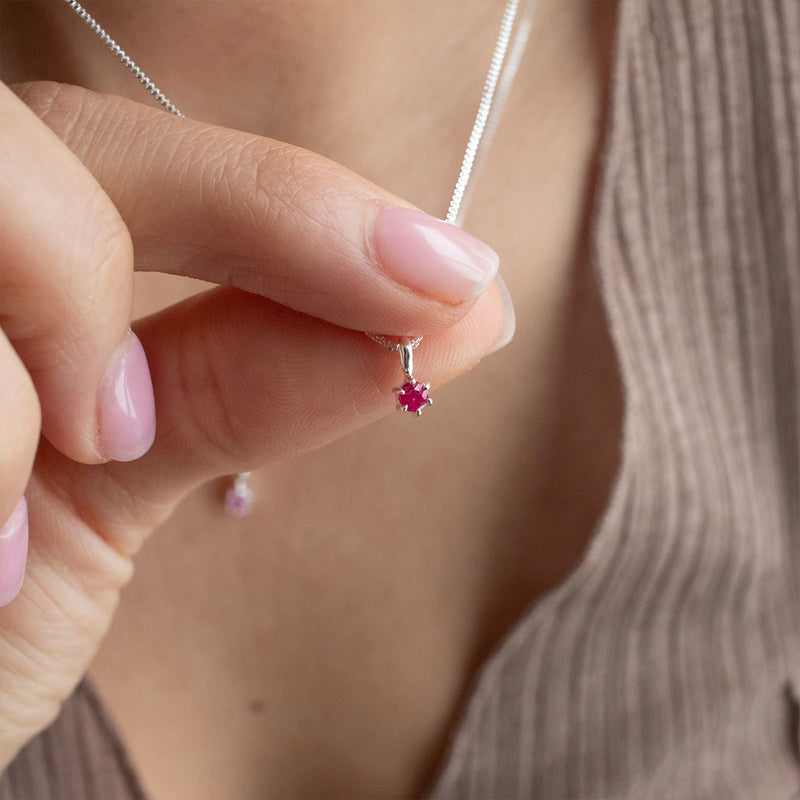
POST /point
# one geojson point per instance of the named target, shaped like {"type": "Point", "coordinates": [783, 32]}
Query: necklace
{"type": "Point", "coordinates": [413, 395]}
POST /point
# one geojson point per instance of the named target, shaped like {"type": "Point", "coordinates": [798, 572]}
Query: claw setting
{"type": "Point", "coordinates": [413, 396]}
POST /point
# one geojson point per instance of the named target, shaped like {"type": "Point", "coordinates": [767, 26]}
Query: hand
{"type": "Point", "coordinates": [271, 363]}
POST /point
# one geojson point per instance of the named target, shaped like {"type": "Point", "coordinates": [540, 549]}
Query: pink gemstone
{"type": "Point", "coordinates": [238, 503]}
{"type": "Point", "coordinates": [413, 396]}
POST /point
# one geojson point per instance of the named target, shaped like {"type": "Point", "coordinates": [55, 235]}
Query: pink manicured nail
{"type": "Point", "coordinates": [126, 410]}
{"type": "Point", "coordinates": [13, 553]}
{"type": "Point", "coordinates": [433, 256]}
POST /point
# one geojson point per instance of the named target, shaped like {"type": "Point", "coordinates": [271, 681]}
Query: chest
{"type": "Point", "coordinates": [322, 646]}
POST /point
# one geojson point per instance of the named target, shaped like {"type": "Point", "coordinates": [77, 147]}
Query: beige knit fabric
{"type": "Point", "coordinates": [663, 666]}
{"type": "Point", "coordinates": [79, 757]}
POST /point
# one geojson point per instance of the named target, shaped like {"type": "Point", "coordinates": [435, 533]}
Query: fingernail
{"type": "Point", "coordinates": [509, 317]}
{"type": "Point", "coordinates": [432, 256]}
{"type": "Point", "coordinates": [13, 553]}
{"type": "Point", "coordinates": [126, 410]}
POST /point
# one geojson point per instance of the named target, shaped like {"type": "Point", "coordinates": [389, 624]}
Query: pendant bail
{"type": "Point", "coordinates": [407, 358]}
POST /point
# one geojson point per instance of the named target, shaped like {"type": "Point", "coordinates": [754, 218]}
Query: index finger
{"type": "Point", "coordinates": [264, 216]}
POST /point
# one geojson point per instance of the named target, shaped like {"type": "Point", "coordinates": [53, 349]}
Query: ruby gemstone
{"type": "Point", "coordinates": [413, 396]}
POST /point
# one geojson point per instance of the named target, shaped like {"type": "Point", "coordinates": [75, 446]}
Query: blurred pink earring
{"type": "Point", "coordinates": [239, 498]}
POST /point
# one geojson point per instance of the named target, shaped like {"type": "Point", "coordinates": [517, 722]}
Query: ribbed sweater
{"type": "Point", "coordinates": [664, 666]}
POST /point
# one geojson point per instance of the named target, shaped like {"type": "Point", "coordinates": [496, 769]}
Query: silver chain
{"type": "Point", "coordinates": [126, 60]}
{"type": "Point", "coordinates": [395, 347]}
{"type": "Point", "coordinates": [484, 109]}
{"type": "Point", "coordinates": [495, 90]}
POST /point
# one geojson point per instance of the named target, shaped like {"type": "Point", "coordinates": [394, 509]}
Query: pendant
{"type": "Point", "coordinates": [413, 394]}
{"type": "Point", "coordinates": [239, 499]}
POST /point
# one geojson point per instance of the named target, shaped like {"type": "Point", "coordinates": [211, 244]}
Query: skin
{"type": "Point", "coordinates": [322, 646]}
